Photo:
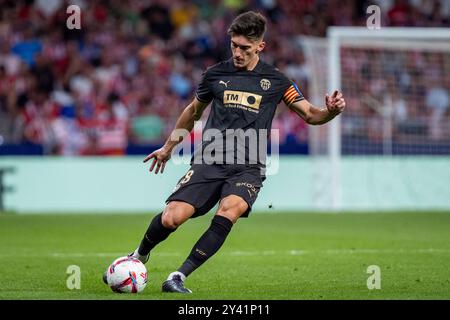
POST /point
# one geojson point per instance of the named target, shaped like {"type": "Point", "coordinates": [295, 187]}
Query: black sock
{"type": "Point", "coordinates": [155, 233]}
{"type": "Point", "coordinates": [208, 244]}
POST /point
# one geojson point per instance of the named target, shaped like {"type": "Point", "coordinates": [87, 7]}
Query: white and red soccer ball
{"type": "Point", "coordinates": [127, 275]}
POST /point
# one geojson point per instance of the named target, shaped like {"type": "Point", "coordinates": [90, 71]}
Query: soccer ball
{"type": "Point", "coordinates": [127, 274]}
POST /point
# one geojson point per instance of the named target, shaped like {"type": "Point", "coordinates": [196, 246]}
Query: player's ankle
{"type": "Point", "coordinates": [143, 258]}
{"type": "Point", "coordinates": [138, 254]}
{"type": "Point", "coordinates": [182, 276]}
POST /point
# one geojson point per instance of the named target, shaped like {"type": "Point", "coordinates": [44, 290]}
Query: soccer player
{"type": "Point", "coordinates": [244, 92]}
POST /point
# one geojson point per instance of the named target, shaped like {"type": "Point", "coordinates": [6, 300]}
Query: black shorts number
{"type": "Point", "coordinates": [187, 177]}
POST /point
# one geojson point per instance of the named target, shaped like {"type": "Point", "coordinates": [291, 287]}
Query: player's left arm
{"type": "Point", "coordinates": [334, 105]}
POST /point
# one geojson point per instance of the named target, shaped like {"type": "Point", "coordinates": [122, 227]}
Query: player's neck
{"type": "Point", "coordinates": [252, 64]}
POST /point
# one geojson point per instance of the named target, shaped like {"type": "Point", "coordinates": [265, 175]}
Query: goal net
{"type": "Point", "coordinates": [396, 82]}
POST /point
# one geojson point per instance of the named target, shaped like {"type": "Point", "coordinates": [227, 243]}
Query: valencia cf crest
{"type": "Point", "coordinates": [265, 84]}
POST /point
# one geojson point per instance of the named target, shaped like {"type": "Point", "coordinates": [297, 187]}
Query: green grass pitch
{"type": "Point", "coordinates": [267, 256]}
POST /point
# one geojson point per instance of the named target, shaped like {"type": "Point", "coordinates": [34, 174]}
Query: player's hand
{"type": "Point", "coordinates": [160, 157]}
{"type": "Point", "coordinates": [336, 103]}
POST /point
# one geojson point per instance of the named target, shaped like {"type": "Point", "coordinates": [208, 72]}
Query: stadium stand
{"type": "Point", "coordinates": [120, 82]}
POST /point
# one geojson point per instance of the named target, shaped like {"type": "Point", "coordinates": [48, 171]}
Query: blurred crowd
{"type": "Point", "coordinates": [397, 93]}
{"type": "Point", "coordinates": [125, 76]}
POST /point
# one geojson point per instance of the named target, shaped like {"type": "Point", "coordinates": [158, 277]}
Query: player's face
{"type": "Point", "coordinates": [245, 51]}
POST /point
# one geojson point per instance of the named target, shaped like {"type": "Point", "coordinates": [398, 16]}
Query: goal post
{"type": "Point", "coordinates": [334, 132]}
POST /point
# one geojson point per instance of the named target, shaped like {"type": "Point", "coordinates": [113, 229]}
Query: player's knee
{"type": "Point", "coordinates": [170, 220]}
{"type": "Point", "coordinates": [232, 209]}
{"type": "Point", "coordinates": [174, 215]}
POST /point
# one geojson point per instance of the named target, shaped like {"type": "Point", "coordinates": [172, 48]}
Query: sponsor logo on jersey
{"type": "Point", "coordinates": [241, 99]}
{"type": "Point", "coordinates": [224, 83]}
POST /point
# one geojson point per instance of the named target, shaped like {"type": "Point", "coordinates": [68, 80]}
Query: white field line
{"type": "Point", "coordinates": [337, 251]}
{"type": "Point", "coordinates": [293, 252]}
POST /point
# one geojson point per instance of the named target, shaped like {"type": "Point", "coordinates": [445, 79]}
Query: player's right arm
{"type": "Point", "coordinates": [184, 125]}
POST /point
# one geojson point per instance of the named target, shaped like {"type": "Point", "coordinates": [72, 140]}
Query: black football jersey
{"type": "Point", "coordinates": [243, 106]}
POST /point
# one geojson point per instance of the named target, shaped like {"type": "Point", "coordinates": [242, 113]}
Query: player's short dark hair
{"type": "Point", "coordinates": [250, 24]}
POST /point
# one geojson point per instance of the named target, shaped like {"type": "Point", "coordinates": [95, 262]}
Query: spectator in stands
{"type": "Point", "coordinates": [437, 99]}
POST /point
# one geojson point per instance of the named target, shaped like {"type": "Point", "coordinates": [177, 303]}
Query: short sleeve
{"type": "Point", "coordinates": [204, 93]}
{"type": "Point", "coordinates": [292, 94]}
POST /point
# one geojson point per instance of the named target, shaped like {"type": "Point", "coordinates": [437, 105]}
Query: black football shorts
{"type": "Point", "coordinates": [204, 185]}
